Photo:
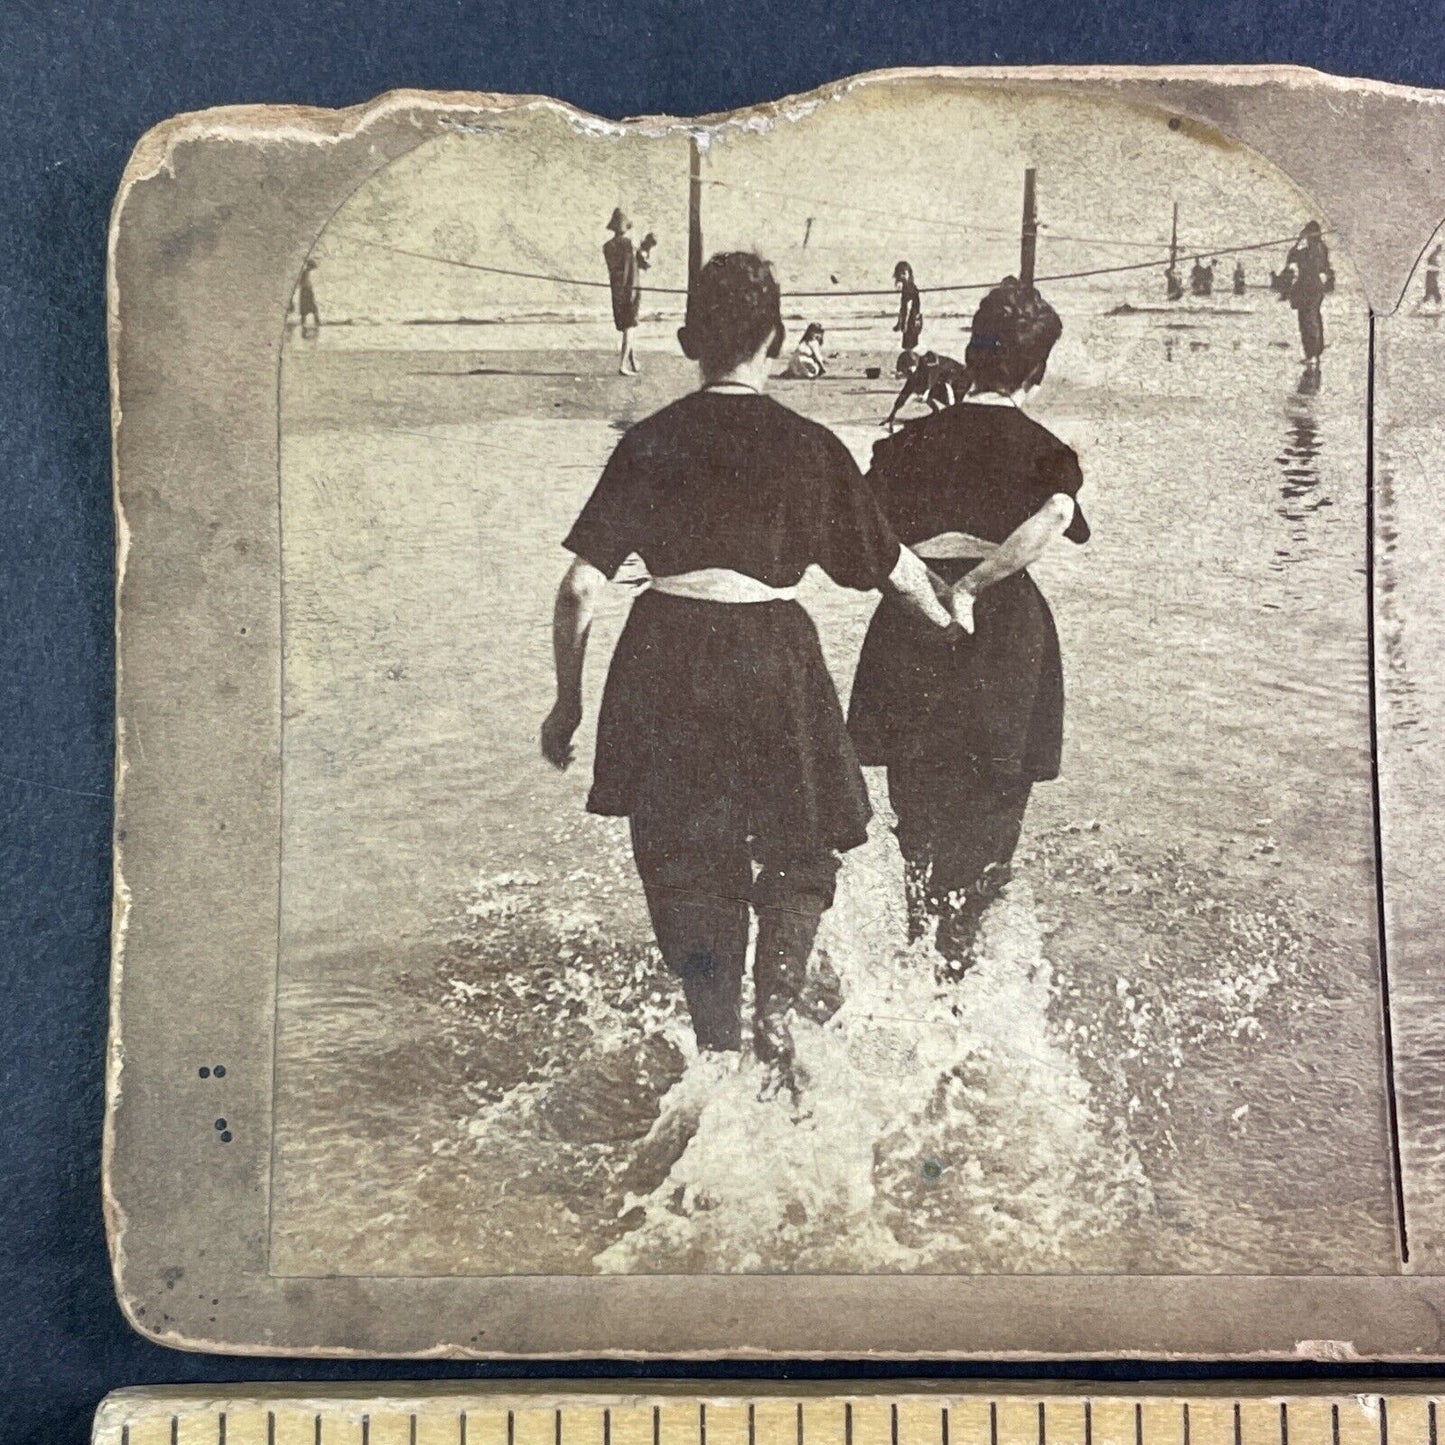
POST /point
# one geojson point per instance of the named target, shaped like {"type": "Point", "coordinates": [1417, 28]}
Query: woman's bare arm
{"type": "Point", "coordinates": [571, 624]}
{"type": "Point", "coordinates": [1022, 547]}
{"type": "Point", "coordinates": [919, 589]}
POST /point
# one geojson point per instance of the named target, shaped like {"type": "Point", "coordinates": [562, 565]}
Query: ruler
{"type": "Point", "coordinates": [825, 1414]}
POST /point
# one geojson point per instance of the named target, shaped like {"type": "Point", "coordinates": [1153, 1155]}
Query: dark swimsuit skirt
{"type": "Point", "coordinates": [626, 307]}
{"type": "Point", "coordinates": [714, 699]}
{"type": "Point", "coordinates": [995, 699]}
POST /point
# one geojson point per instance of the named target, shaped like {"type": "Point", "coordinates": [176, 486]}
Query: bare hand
{"type": "Point", "coordinates": [557, 730]}
{"type": "Point", "coordinates": [960, 603]}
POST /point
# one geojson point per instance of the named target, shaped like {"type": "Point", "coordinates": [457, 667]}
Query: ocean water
{"type": "Point", "coordinates": [1170, 1056]}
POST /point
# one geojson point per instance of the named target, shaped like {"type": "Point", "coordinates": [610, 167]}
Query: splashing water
{"type": "Point", "coordinates": [903, 1150]}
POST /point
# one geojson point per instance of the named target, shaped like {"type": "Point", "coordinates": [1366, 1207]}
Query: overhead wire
{"type": "Point", "coordinates": [1076, 275]}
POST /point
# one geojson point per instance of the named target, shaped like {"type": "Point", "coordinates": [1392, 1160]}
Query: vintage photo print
{"type": "Point", "coordinates": [818, 714]}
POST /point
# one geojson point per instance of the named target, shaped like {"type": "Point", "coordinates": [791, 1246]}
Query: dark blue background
{"type": "Point", "coordinates": [78, 84]}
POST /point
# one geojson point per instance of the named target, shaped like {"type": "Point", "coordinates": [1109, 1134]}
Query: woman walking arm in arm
{"type": "Point", "coordinates": [911, 580]}
{"type": "Point", "coordinates": [719, 734]}
{"type": "Point", "coordinates": [979, 491]}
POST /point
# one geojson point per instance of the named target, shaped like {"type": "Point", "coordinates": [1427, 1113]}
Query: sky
{"type": "Point", "coordinates": [924, 171]}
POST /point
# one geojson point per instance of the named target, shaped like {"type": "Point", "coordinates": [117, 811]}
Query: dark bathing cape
{"type": "Point", "coordinates": [996, 699]}
{"type": "Point", "coordinates": [711, 699]}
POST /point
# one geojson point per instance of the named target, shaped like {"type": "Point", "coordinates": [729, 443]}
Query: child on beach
{"type": "Point", "coordinates": [910, 314]}
{"type": "Point", "coordinates": [720, 734]}
{"type": "Point", "coordinates": [966, 726]}
{"type": "Point", "coordinates": [806, 363]}
{"type": "Point", "coordinates": [939, 380]}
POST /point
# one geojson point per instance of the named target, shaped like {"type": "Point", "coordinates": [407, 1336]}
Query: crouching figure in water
{"type": "Point", "coordinates": [720, 734]}
{"type": "Point", "coordinates": [966, 723]}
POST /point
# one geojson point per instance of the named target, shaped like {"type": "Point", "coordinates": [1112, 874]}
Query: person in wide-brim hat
{"type": "Point", "coordinates": [623, 275]}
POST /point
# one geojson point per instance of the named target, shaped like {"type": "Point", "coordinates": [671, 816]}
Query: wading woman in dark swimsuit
{"type": "Point", "coordinates": [720, 734]}
{"type": "Point", "coordinates": [967, 724]}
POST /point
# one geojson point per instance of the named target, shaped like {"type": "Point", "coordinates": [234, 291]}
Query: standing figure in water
{"type": "Point", "coordinates": [967, 725]}
{"type": "Point", "coordinates": [623, 275]}
{"type": "Point", "coordinates": [720, 735]}
{"type": "Point", "coordinates": [306, 301]}
{"type": "Point", "coordinates": [1239, 278]}
{"type": "Point", "coordinates": [1314, 279]}
{"type": "Point", "coordinates": [1432, 278]}
{"type": "Point", "coordinates": [910, 315]}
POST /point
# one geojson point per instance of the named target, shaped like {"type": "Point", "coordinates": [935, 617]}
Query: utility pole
{"type": "Point", "coordinates": [1173, 286]}
{"type": "Point", "coordinates": [694, 213]}
{"type": "Point", "coordinates": [1028, 243]}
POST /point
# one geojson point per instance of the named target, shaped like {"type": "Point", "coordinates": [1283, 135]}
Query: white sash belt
{"type": "Point", "coordinates": [949, 545]}
{"type": "Point", "coordinates": [721, 584]}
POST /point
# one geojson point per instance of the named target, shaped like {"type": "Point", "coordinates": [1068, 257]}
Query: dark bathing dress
{"type": "Point", "coordinates": [910, 315]}
{"type": "Point", "coordinates": [1314, 278]}
{"type": "Point", "coordinates": [964, 725]}
{"type": "Point", "coordinates": [720, 733]}
{"type": "Point", "coordinates": [622, 274]}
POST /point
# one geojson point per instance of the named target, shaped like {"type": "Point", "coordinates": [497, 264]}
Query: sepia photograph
{"type": "Point", "coordinates": [826, 706]}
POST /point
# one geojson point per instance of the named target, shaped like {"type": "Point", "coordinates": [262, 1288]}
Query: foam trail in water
{"type": "Point", "coordinates": [936, 1126]}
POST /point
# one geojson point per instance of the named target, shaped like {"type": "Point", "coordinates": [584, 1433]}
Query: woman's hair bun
{"type": "Point", "coordinates": [1014, 330]}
